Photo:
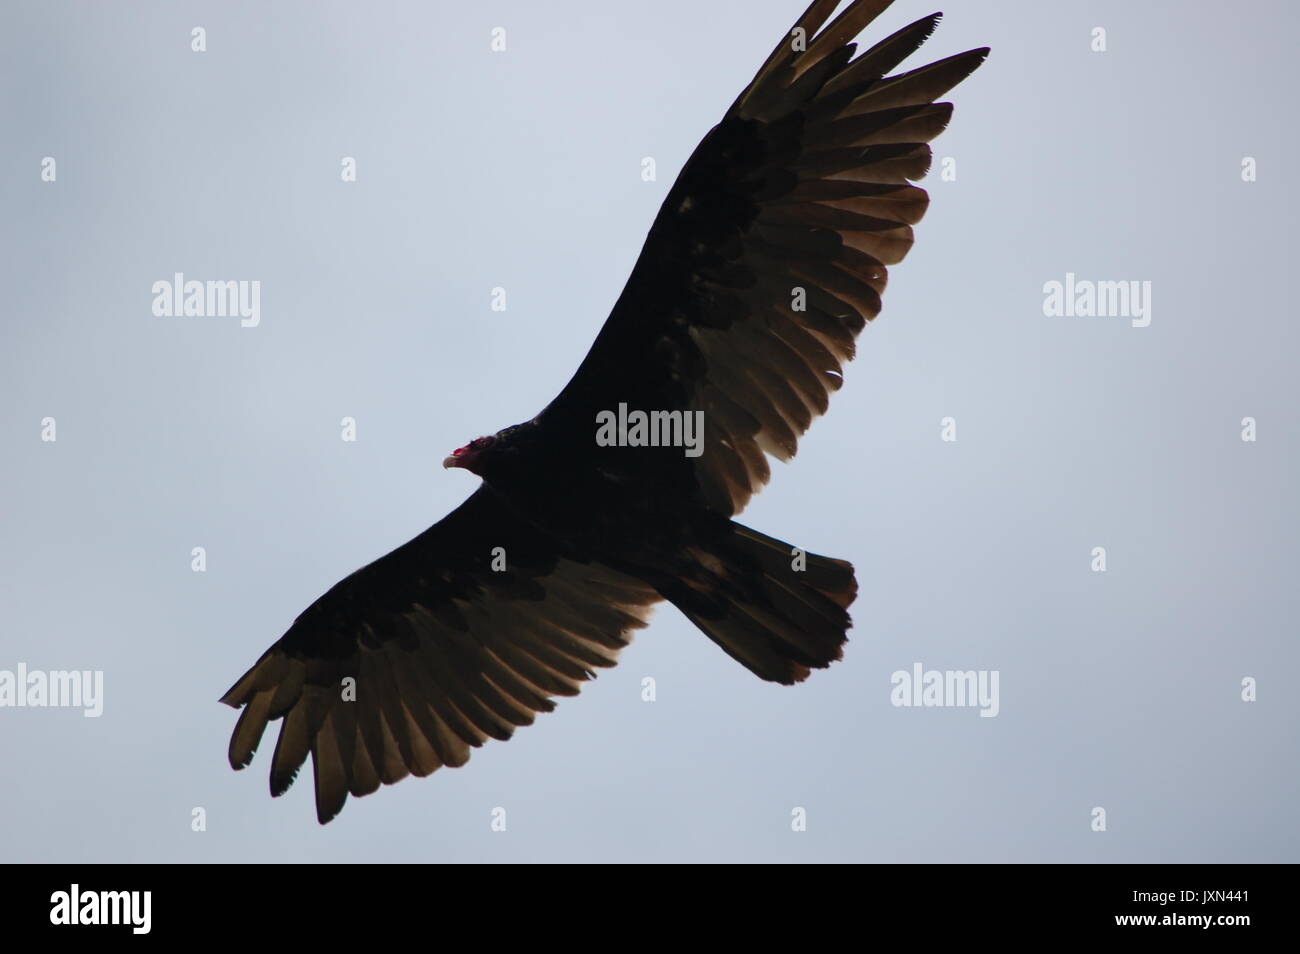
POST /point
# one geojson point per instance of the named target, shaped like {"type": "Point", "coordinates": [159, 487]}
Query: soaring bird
{"type": "Point", "coordinates": [764, 263]}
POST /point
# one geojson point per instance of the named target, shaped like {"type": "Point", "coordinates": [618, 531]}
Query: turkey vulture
{"type": "Point", "coordinates": [764, 263]}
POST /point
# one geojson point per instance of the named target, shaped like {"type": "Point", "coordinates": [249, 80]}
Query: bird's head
{"type": "Point", "coordinates": [496, 458]}
{"type": "Point", "coordinates": [472, 456]}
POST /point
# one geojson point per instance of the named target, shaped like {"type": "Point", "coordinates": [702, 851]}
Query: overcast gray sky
{"type": "Point", "coordinates": [521, 169]}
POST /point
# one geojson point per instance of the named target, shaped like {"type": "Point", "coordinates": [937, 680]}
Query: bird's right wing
{"type": "Point", "coordinates": [447, 641]}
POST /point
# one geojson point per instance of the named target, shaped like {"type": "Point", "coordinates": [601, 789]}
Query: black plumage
{"type": "Point", "coordinates": [802, 194]}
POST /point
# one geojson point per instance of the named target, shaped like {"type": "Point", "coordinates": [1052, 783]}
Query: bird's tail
{"type": "Point", "coordinates": [777, 610]}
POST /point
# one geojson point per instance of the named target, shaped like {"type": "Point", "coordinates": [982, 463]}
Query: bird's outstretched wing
{"type": "Point", "coordinates": [768, 256]}
{"type": "Point", "coordinates": [446, 646]}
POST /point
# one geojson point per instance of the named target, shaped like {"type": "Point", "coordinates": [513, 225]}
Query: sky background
{"type": "Point", "coordinates": [522, 169]}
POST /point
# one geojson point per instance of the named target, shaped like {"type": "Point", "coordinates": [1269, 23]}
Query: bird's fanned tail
{"type": "Point", "coordinates": [777, 610]}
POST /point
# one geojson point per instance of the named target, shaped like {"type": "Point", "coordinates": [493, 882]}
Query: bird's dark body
{"type": "Point", "coordinates": [603, 501]}
{"type": "Point", "coordinates": [766, 260]}
{"type": "Point", "coordinates": [636, 510]}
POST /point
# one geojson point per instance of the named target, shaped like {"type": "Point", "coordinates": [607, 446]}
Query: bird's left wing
{"type": "Point", "coordinates": [458, 636]}
{"type": "Point", "coordinates": [769, 254]}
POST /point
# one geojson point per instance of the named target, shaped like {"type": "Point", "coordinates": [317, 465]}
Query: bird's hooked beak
{"type": "Point", "coordinates": [467, 455]}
